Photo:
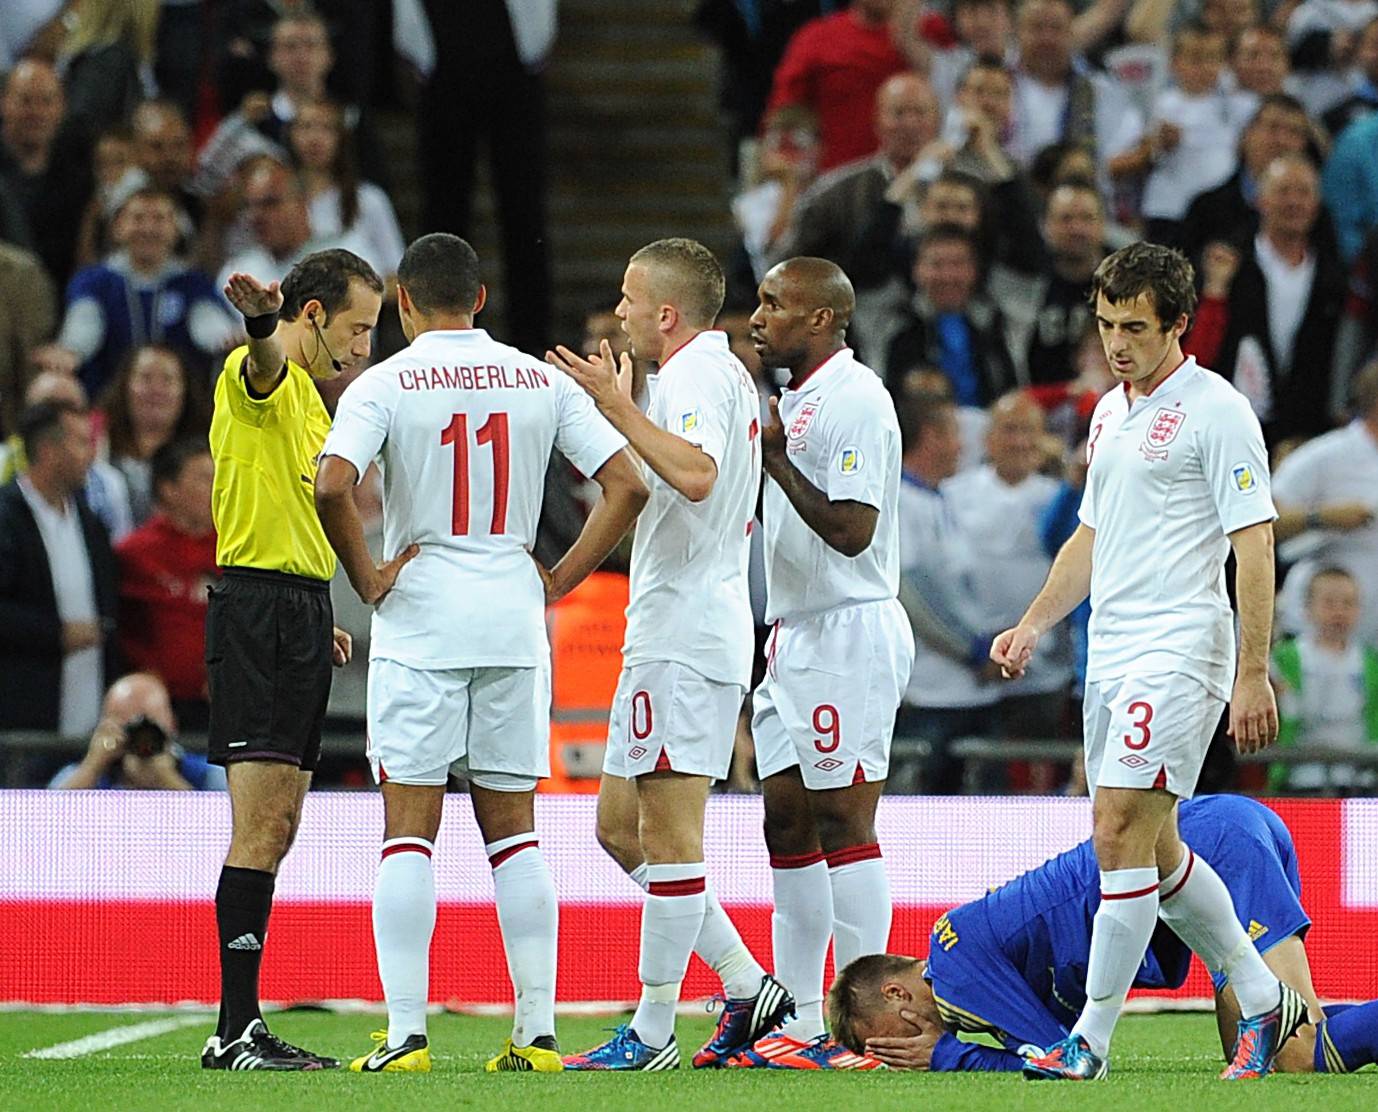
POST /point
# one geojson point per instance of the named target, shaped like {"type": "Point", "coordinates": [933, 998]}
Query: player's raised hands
{"type": "Point", "coordinates": [907, 1052]}
{"type": "Point", "coordinates": [602, 377]}
{"type": "Point", "coordinates": [1253, 713]}
{"type": "Point", "coordinates": [251, 297]}
{"type": "Point", "coordinates": [1013, 649]}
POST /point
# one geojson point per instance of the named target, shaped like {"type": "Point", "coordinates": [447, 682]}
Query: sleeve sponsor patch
{"type": "Point", "coordinates": [691, 421]}
{"type": "Point", "coordinates": [850, 461]}
{"type": "Point", "coordinates": [1243, 479]}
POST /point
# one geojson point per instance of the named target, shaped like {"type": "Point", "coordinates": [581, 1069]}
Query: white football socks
{"type": "Point", "coordinates": [403, 921]}
{"type": "Point", "coordinates": [1120, 935]}
{"type": "Point", "coordinates": [861, 903]}
{"type": "Point", "coordinates": [670, 923]}
{"type": "Point", "coordinates": [1195, 903]}
{"type": "Point", "coordinates": [529, 915]}
{"type": "Point", "coordinates": [801, 926]}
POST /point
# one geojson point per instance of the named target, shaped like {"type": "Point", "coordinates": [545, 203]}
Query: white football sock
{"type": "Point", "coordinates": [723, 951]}
{"type": "Point", "coordinates": [861, 903]}
{"type": "Point", "coordinates": [801, 926]}
{"type": "Point", "coordinates": [529, 915]}
{"type": "Point", "coordinates": [403, 921]}
{"type": "Point", "coordinates": [1195, 903]}
{"type": "Point", "coordinates": [1120, 935]}
{"type": "Point", "coordinates": [670, 924]}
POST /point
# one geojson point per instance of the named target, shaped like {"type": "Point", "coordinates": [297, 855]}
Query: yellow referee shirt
{"type": "Point", "coordinates": [265, 452]}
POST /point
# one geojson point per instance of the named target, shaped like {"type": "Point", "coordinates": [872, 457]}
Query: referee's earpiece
{"type": "Point", "coordinates": [320, 336]}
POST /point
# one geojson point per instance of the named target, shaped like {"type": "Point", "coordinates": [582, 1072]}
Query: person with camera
{"type": "Point", "coordinates": [134, 745]}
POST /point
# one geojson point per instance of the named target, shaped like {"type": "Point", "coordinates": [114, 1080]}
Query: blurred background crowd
{"type": "Point", "coordinates": [967, 162]}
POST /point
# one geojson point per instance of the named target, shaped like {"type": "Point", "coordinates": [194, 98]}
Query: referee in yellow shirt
{"type": "Point", "coordinates": [270, 636]}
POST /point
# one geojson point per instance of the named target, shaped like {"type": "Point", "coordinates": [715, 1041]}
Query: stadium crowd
{"type": "Point", "coordinates": [967, 163]}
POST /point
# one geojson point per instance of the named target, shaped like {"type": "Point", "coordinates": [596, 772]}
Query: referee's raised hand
{"type": "Point", "coordinates": [251, 297]}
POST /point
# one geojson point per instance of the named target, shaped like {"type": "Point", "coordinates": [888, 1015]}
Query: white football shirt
{"type": "Point", "coordinates": [690, 601]}
{"type": "Point", "coordinates": [1171, 475]}
{"type": "Point", "coordinates": [463, 427]}
{"type": "Point", "coordinates": [842, 434]}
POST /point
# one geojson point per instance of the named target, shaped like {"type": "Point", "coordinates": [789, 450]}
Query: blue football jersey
{"type": "Point", "coordinates": [1013, 963]}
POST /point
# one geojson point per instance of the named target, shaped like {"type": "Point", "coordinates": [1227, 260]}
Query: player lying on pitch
{"type": "Point", "coordinates": [1013, 963]}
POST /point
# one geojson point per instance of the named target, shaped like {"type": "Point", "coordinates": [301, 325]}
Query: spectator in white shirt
{"type": "Point", "coordinates": [951, 693]}
{"type": "Point", "coordinates": [338, 202]}
{"type": "Point", "coordinates": [1327, 498]}
{"type": "Point", "coordinates": [999, 508]}
{"type": "Point", "coordinates": [1192, 135]}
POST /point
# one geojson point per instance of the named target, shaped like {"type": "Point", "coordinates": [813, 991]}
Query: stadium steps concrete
{"type": "Point", "coordinates": [636, 151]}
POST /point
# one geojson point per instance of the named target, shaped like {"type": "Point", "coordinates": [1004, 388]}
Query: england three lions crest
{"type": "Point", "coordinates": [1162, 431]}
{"type": "Point", "coordinates": [802, 420]}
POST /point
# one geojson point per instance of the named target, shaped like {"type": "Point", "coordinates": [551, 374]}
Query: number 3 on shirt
{"type": "Point", "coordinates": [494, 432]}
{"type": "Point", "coordinates": [1145, 716]}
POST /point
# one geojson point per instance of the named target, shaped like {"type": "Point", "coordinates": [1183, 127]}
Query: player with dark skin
{"type": "Point", "coordinates": [801, 322]}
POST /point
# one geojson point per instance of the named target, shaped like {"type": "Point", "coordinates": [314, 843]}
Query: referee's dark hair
{"type": "Point", "coordinates": [325, 276]}
{"type": "Point", "coordinates": [1163, 273]}
{"type": "Point", "coordinates": [855, 995]}
{"type": "Point", "coordinates": [172, 458]}
{"type": "Point", "coordinates": [41, 423]}
{"type": "Point", "coordinates": [440, 274]}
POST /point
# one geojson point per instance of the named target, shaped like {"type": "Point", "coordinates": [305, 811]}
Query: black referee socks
{"type": "Point", "coordinates": [242, 902]}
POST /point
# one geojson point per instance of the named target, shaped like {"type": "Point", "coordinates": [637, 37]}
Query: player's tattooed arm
{"type": "Point", "coordinates": [845, 525]}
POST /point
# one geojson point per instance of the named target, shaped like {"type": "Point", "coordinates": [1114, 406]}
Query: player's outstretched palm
{"type": "Point", "coordinates": [600, 376]}
{"type": "Point", "coordinates": [251, 297]}
{"type": "Point", "coordinates": [1013, 649]}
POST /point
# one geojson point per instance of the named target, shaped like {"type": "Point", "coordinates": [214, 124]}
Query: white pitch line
{"type": "Point", "coordinates": [115, 1036]}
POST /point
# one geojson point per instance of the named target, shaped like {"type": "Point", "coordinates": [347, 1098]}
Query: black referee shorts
{"type": "Point", "coordinates": [268, 658]}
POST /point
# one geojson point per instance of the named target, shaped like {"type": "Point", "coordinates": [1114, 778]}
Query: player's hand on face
{"type": "Point", "coordinates": [597, 375]}
{"type": "Point", "coordinates": [341, 648]}
{"type": "Point", "coordinates": [907, 1052]}
{"type": "Point", "coordinates": [251, 297]}
{"type": "Point", "coordinates": [388, 571]}
{"type": "Point", "coordinates": [1013, 649]}
{"type": "Point", "coordinates": [1253, 714]}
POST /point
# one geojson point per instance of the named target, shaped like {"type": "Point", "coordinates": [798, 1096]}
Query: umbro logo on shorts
{"type": "Point", "coordinates": [1133, 760]}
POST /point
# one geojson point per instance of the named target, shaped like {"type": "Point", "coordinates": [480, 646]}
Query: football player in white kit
{"type": "Point", "coordinates": [686, 660]}
{"type": "Point", "coordinates": [1178, 477]}
{"type": "Point", "coordinates": [459, 662]}
{"type": "Point", "coordinates": [840, 653]}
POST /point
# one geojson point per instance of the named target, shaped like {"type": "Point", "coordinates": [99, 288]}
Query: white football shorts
{"type": "Point", "coordinates": [828, 701]}
{"type": "Point", "coordinates": [1148, 731]}
{"type": "Point", "coordinates": [490, 726]}
{"type": "Point", "coordinates": [666, 716]}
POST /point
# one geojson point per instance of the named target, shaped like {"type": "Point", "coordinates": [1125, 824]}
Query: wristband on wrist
{"type": "Point", "coordinates": [261, 326]}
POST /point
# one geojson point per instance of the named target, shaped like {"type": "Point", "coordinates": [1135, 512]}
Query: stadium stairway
{"type": "Point", "coordinates": [637, 151]}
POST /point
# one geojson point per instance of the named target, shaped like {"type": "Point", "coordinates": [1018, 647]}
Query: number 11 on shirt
{"type": "Point", "coordinates": [494, 432]}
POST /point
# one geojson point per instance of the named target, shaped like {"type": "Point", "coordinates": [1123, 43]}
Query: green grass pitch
{"type": "Point", "coordinates": [1164, 1062]}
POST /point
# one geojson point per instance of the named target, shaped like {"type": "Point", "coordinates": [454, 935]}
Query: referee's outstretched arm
{"type": "Point", "coordinates": [267, 363]}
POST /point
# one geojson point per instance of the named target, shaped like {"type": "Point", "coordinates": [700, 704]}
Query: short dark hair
{"type": "Point", "coordinates": [325, 276]}
{"type": "Point", "coordinates": [1163, 273]}
{"type": "Point", "coordinates": [1286, 101]}
{"type": "Point", "coordinates": [855, 994]}
{"type": "Point", "coordinates": [41, 423]}
{"type": "Point", "coordinates": [1329, 571]}
{"type": "Point", "coordinates": [440, 272]}
{"type": "Point", "coordinates": [948, 233]}
{"type": "Point", "coordinates": [171, 459]}
{"type": "Point", "coordinates": [985, 62]}
{"type": "Point", "coordinates": [692, 277]}
{"type": "Point", "coordinates": [920, 412]}
{"type": "Point", "coordinates": [1194, 29]}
